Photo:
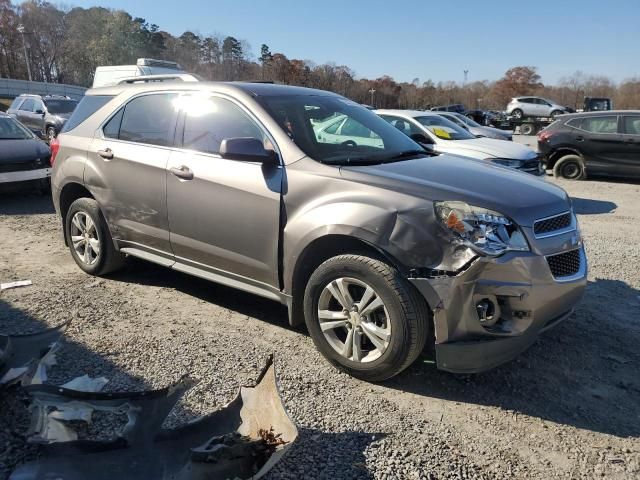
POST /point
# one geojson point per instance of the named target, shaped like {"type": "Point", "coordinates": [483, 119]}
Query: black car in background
{"type": "Point", "coordinates": [593, 143]}
{"type": "Point", "coordinates": [46, 114]}
{"type": "Point", "coordinates": [24, 158]}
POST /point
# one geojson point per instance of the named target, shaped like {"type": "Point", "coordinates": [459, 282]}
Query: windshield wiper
{"type": "Point", "coordinates": [407, 154]}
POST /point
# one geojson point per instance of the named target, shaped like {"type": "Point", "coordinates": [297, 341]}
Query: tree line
{"type": "Point", "coordinates": [66, 45]}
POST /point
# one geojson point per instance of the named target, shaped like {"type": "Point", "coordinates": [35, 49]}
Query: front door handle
{"type": "Point", "coordinates": [183, 172]}
{"type": "Point", "coordinates": [579, 139]}
{"type": "Point", "coordinates": [107, 153]}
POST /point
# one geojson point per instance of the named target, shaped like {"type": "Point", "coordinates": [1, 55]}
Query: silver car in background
{"type": "Point", "coordinates": [477, 129]}
{"type": "Point", "coordinates": [443, 136]}
{"type": "Point", "coordinates": [534, 107]}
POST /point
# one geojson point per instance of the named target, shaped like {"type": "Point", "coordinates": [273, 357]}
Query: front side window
{"type": "Point", "coordinates": [149, 119]}
{"type": "Point", "coordinates": [444, 129]}
{"type": "Point", "coordinates": [600, 124]}
{"type": "Point", "coordinates": [209, 120]}
{"type": "Point", "coordinates": [28, 105]}
{"type": "Point", "coordinates": [332, 129]}
{"type": "Point", "coordinates": [631, 124]}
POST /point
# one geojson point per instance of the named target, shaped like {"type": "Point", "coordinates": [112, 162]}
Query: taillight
{"type": "Point", "coordinates": [544, 135]}
{"type": "Point", "coordinates": [55, 146]}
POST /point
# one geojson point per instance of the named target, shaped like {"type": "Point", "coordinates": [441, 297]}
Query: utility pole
{"type": "Point", "coordinates": [466, 76]}
{"type": "Point", "coordinates": [372, 91]}
{"type": "Point", "coordinates": [24, 45]}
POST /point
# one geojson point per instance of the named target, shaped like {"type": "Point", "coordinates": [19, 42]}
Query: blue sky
{"type": "Point", "coordinates": [420, 38]}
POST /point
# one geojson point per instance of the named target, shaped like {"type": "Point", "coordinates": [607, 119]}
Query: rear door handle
{"type": "Point", "coordinates": [183, 172]}
{"type": "Point", "coordinates": [107, 153]}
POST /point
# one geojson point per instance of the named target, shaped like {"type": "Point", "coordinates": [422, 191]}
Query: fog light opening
{"type": "Point", "coordinates": [486, 311]}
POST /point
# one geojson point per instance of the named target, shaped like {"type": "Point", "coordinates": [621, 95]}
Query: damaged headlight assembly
{"type": "Point", "coordinates": [485, 231]}
{"type": "Point", "coordinates": [507, 162]}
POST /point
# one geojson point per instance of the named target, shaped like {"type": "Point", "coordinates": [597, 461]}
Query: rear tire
{"type": "Point", "coordinates": [89, 238]}
{"type": "Point", "coordinates": [527, 129]}
{"type": "Point", "coordinates": [385, 338]}
{"type": "Point", "coordinates": [570, 167]}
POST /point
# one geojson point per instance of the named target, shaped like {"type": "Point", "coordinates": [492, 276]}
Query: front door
{"type": "Point", "coordinates": [224, 215]}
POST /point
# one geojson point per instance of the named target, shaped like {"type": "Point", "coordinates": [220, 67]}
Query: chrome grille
{"type": "Point", "coordinates": [564, 264]}
{"type": "Point", "coordinates": [552, 224]}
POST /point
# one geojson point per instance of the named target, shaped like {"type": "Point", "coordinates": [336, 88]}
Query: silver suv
{"type": "Point", "coordinates": [534, 107]}
{"type": "Point", "coordinates": [374, 243]}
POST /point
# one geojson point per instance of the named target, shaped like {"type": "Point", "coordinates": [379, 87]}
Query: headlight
{"type": "Point", "coordinates": [485, 231]}
{"type": "Point", "coordinates": [507, 162]}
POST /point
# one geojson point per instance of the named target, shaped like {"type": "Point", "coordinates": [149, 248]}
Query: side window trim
{"type": "Point", "coordinates": [179, 137]}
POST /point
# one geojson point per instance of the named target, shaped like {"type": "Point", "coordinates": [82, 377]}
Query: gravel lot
{"type": "Point", "coordinates": [568, 408]}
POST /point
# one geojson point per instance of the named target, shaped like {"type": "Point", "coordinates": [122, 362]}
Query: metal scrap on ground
{"type": "Point", "coordinates": [19, 283]}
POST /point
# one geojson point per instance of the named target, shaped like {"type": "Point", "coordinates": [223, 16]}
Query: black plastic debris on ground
{"type": "Point", "coordinates": [24, 358]}
{"type": "Point", "coordinates": [241, 441]}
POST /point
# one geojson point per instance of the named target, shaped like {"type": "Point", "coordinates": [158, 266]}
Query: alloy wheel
{"type": "Point", "coordinates": [84, 237]}
{"type": "Point", "coordinates": [354, 320]}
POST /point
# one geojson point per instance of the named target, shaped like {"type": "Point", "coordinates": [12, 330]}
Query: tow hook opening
{"type": "Point", "coordinates": [487, 309]}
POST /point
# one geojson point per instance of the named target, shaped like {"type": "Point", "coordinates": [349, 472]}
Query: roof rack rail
{"type": "Point", "coordinates": [181, 77]}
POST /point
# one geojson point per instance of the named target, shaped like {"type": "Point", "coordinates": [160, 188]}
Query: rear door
{"type": "Point", "coordinates": [126, 169]}
{"type": "Point", "coordinates": [630, 150]}
{"type": "Point", "coordinates": [600, 142]}
{"type": "Point", "coordinates": [224, 215]}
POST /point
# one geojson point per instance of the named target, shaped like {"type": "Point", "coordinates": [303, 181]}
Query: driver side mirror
{"type": "Point", "coordinates": [39, 112]}
{"type": "Point", "coordinates": [247, 149]}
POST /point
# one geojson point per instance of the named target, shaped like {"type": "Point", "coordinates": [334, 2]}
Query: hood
{"type": "Point", "coordinates": [486, 148]}
{"type": "Point", "coordinates": [520, 196]}
{"type": "Point", "coordinates": [16, 151]}
{"type": "Point", "coordinates": [490, 132]}
{"type": "Point", "coordinates": [59, 118]}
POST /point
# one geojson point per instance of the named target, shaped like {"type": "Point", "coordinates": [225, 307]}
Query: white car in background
{"type": "Point", "coordinates": [444, 136]}
{"type": "Point", "coordinates": [335, 129]}
{"type": "Point", "coordinates": [475, 128]}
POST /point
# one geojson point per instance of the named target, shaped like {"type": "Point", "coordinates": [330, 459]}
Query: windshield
{"type": "Point", "coordinates": [10, 129]}
{"type": "Point", "coordinates": [467, 121]}
{"type": "Point", "coordinates": [444, 129]}
{"type": "Point", "coordinates": [339, 131]}
{"type": "Point", "coordinates": [60, 106]}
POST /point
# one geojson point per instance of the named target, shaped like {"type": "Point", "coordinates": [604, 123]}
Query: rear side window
{"type": "Point", "coordinates": [631, 124]}
{"type": "Point", "coordinates": [600, 124]}
{"type": "Point", "coordinates": [149, 119]}
{"type": "Point", "coordinates": [16, 103]}
{"type": "Point", "coordinates": [89, 105]}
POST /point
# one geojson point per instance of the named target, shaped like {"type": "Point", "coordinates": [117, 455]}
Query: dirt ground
{"type": "Point", "coordinates": [567, 408]}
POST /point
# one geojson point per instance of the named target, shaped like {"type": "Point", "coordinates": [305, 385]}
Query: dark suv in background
{"type": "Point", "coordinates": [598, 143]}
{"type": "Point", "coordinates": [46, 114]}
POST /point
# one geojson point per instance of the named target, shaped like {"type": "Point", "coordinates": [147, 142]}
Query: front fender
{"type": "Point", "coordinates": [411, 236]}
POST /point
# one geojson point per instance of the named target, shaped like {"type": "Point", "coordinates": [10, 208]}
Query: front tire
{"type": "Point", "coordinates": [555, 113]}
{"type": "Point", "coordinates": [364, 317]}
{"type": "Point", "coordinates": [517, 113]}
{"type": "Point", "coordinates": [89, 238]}
{"type": "Point", "coordinates": [570, 167]}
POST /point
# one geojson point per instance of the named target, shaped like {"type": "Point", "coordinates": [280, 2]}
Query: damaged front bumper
{"type": "Point", "coordinates": [241, 441]}
{"type": "Point", "coordinates": [496, 308]}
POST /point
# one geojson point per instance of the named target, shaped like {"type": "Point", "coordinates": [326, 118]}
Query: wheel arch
{"type": "Point", "coordinates": [560, 152]}
{"type": "Point", "coordinates": [318, 251]}
{"type": "Point", "coordinates": [71, 192]}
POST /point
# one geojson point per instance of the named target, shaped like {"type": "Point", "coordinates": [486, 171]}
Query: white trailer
{"type": "Point", "coordinates": [113, 74]}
